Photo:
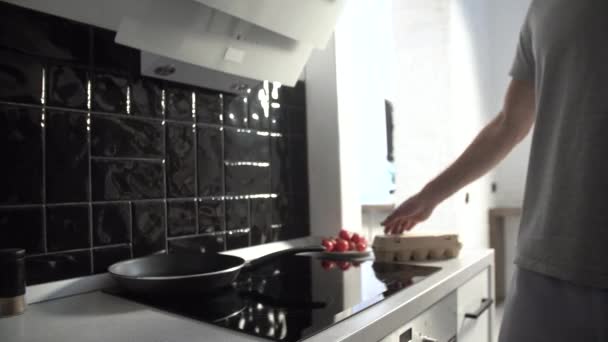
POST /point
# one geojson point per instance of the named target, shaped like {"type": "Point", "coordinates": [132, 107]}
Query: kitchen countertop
{"type": "Point", "coordinates": [97, 317]}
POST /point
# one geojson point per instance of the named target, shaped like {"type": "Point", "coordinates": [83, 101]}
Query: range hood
{"type": "Point", "coordinates": [224, 44]}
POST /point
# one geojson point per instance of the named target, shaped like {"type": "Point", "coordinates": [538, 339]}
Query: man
{"type": "Point", "coordinates": [560, 82]}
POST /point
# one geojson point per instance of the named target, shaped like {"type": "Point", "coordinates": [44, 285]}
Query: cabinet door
{"type": "Point", "coordinates": [472, 299]}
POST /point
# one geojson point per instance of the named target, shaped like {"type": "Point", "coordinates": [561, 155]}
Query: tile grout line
{"type": "Point", "coordinates": [223, 172]}
{"type": "Point", "coordinates": [43, 136]}
{"type": "Point", "coordinates": [164, 163]}
{"type": "Point", "coordinates": [195, 151]}
{"type": "Point", "coordinates": [131, 229]}
{"type": "Point", "coordinates": [90, 162]}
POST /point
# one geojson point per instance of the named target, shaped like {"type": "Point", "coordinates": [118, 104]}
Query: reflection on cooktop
{"type": "Point", "coordinates": [293, 297]}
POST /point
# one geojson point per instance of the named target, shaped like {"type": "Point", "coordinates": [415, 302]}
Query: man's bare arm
{"type": "Point", "coordinates": [490, 146]}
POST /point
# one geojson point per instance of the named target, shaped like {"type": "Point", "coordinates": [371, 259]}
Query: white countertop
{"type": "Point", "coordinates": [97, 317]}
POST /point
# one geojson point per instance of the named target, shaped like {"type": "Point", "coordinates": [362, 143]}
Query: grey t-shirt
{"type": "Point", "coordinates": [563, 49]}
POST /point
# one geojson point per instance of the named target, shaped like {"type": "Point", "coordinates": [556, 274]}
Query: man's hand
{"type": "Point", "coordinates": [408, 214]}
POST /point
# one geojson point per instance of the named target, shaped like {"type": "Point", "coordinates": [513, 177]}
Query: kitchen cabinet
{"type": "Point", "coordinates": [465, 315]}
{"type": "Point", "coordinates": [476, 308]}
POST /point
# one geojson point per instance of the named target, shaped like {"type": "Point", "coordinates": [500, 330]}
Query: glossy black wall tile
{"type": "Point", "coordinates": [146, 97]}
{"type": "Point", "coordinates": [209, 243]}
{"type": "Point", "coordinates": [67, 86]}
{"type": "Point", "coordinates": [148, 228]}
{"type": "Point", "coordinates": [209, 107]}
{"type": "Point", "coordinates": [209, 161]}
{"type": "Point", "coordinates": [181, 219]}
{"type": "Point", "coordinates": [101, 164]}
{"type": "Point", "coordinates": [126, 137]}
{"type": "Point", "coordinates": [111, 223]}
{"type": "Point", "coordinates": [67, 227]}
{"type": "Point", "coordinates": [126, 180]}
{"type": "Point", "coordinates": [237, 214]}
{"type": "Point", "coordinates": [67, 157]}
{"type": "Point", "coordinates": [21, 152]}
{"type": "Point", "coordinates": [181, 157]}
{"type": "Point", "coordinates": [20, 78]}
{"type": "Point", "coordinates": [211, 216]}
{"type": "Point", "coordinates": [22, 228]}
{"type": "Point", "coordinates": [104, 257]}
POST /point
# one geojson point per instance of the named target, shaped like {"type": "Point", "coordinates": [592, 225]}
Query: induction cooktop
{"type": "Point", "coordinates": [293, 297]}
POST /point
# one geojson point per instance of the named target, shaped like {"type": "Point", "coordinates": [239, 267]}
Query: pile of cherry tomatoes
{"type": "Point", "coordinates": [345, 242]}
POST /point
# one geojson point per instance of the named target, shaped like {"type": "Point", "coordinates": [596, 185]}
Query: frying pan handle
{"type": "Point", "coordinates": [290, 251]}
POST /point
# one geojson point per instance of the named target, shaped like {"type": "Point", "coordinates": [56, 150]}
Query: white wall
{"type": "Point", "coordinates": [507, 18]}
{"type": "Point", "coordinates": [454, 57]}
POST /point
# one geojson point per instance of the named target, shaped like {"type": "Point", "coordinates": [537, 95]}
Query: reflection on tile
{"type": "Point", "coordinates": [20, 78]}
{"type": "Point", "coordinates": [180, 161]}
{"type": "Point", "coordinates": [108, 55]}
{"type": "Point", "coordinates": [22, 228]}
{"type": "Point", "coordinates": [146, 97]}
{"type": "Point", "coordinates": [278, 118]}
{"type": "Point", "coordinates": [67, 227]}
{"type": "Point", "coordinates": [209, 159]}
{"type": "Point", "coordinates": [259, 108]}
{"type": "Point", "coordinates": [260, 221]}
{"type": "Point", "coordinates": [118, 137]}
{"type": "Point", "coordinates": [237, 214]}
{"type": "Point", "coordinates": [279, 166]}
{"type": "Point", "coordinates": [203, 243]}
{"type": "Point", "coordinates": [238, 239]}
{"type": "Point", "coordinates": [148, 228]}
{"type": "Point", "coordinates": [45, 268]}
{"type": "Point", "coordinates": [179, 103]}
{"type": "Point", "coordinates": [21, 149]}
{"type": "Point", "coordinates": [181, 218]}
{"type": "Point", "coordinates": [126, 180]}
{"type": "Point", "coordinates": [111, 223]}
{"type": "Point", "coordinates": [280, 210]}
{"type": "Point", "coordinates": [66, 157]}
{"type": "Point", "coordinates": [208, 107]}
{"type": "Point", "coordinates": [246, 146]}
{"type": "Point", "coordinates": [235, 110]}
{"type": "Point", "coordinates": [66, 87]}
{"type": "Point", "coordinates": [290, 210]}
{"type": "Point", "coordinates": [210, 216]}
{"type": "Point", "coordinates": [247, 180]}
{"type": "Point", "coordinates": [105, 257]}
{"type": "Point", "coordinates": [45, 35]}
{"type": "Point", "coordinates": [110, 93]}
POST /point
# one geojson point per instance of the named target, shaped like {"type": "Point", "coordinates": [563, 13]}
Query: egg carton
{"type": "Point", "coordinates": [416, 247]}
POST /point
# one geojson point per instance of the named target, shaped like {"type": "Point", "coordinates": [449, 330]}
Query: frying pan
{"type": "Point", "coordinates": [189, 272]}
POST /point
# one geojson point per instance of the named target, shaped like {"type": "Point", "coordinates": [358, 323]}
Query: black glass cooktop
{"type": "Point", "coordinates": [293, 297]}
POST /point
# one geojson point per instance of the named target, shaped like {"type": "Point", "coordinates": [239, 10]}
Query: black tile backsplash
{"type": "Point", "coordinates": [21, 151]}
{"type": "Point", "coordinates": [66, 86]}
{"type": "Point", "coordinates": [126, 137]}
{"type": "Point", "coordinates": [101, 164]}
{"type": "Point", "coordinates": [111, 223]}
{"type": "Point", "coordinates": [67, 157]}
{"type": "Point", "coordinates": [181, 218]}
{"type": "Point", "coordinates": [67, 227]}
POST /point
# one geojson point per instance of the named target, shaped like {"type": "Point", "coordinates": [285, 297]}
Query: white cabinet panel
{"type": "Point", "coordinates": [471, 298]}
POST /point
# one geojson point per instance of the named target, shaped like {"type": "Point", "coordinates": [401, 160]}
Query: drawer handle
{"type": "Point", "coordinates": [486, 303]}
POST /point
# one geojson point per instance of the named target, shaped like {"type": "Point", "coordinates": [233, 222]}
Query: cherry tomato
{"type": "Point", "coordinates": [344, 234]}
{"type": "Point", "coordinates": [352, 246]}
{"type": "Point", "coordinates": [361, 246]}
{"type": "Point", "coordinates": [341, 246]}
{"type": "Point", "coordinates": [356, 263]}
{"type": "Point", "coordinates": [355, 238]}
{"type": "Point", "coordinates": [344, 265]}
{"type": "Point", "coordinates": [328, 264]}
{"type": "Point", "coordinates": [329, 245]}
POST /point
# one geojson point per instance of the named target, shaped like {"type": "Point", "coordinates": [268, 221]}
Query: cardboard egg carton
{"type": "Point", "coordinates": [416, 247]}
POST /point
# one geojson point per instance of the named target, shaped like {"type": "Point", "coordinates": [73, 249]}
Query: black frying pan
{"type": "Point", "coordinates": [189, 272]}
